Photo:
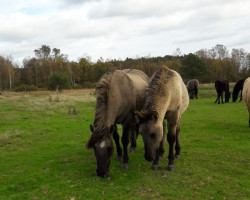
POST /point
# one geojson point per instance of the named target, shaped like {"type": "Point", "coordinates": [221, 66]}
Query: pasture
{"type": "Point", "coordinates": [43, 154]}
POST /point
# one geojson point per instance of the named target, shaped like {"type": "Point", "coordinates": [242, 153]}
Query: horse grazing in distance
{"type": "Point", "coordinates": [118, 94]}
{"type": "Point", "coordinates": [246, 96]}
{"type": "Point", "coordinates": [221, 87]}
{"type": "Point", "coordinates": [237, 88]}
{"type": "Point", "coordinates": [193, 87]}
{"type": "Point", "coordinates": [166, 97]}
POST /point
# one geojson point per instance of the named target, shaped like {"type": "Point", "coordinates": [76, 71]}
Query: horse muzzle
{"type": "Point", "coordinates": [101, 174]}
{"type": "Point", "coordinates": [148, 157]}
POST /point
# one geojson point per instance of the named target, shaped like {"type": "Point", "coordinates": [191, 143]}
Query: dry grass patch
{"type": "Point", "coordinates": [47, 100]}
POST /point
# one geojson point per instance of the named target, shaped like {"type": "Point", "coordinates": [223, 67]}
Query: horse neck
{"type": "Point", "coordinates": [236, 90]}
{"type": "Point", "coordinates": [103, 115]}
{"type": "Point", "coordinates": [159, 105]}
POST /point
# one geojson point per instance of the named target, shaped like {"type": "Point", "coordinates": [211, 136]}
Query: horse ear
{"type": "Point", "coordinates": [112, 129]}
{"type": "Point", "coordinates": [142, 116]}
{"type": "Point", "coordinates": [91, 128]}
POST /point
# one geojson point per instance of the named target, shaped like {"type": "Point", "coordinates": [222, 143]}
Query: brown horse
{"type": "Point", "coordinates": [118, 94]}
{"type": "Point", "coordinates": [246, 95]}
{"type": "Point", "coordinates": [166, 98]}
{"type": "Point", "coordinates": [193, 87]}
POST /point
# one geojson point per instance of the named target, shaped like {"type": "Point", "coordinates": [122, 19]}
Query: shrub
{"type": "Point", "coordinates": [88, 84]}
{"type": "Point", "coordinates": [76, 86]}
{"type": "Point", "coordinates": [24, 87]}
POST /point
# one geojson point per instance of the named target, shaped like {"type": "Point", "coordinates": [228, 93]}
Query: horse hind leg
{"type": "Point", "coordinates": [177, 144]}
{"type": "Point", "coordinates": [171, 137]}
{"type": "Point", "coordinates": [116, 138]}
{"type": "Point", "coordinates": [218, 99]}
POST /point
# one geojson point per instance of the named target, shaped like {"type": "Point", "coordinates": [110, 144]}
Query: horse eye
{"type": "Point", "coordinates": [152, 135]}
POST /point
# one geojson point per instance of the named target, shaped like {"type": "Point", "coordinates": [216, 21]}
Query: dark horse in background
{"type": "Point", "coordinates": [222, 86]}
{"type": "Point", "coordinates": [192, 87]}
{"type": "Point", "coordinates": [237, 88]}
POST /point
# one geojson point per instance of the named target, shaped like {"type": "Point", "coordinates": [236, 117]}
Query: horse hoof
{"type": "Point", "coordinates": [170, 168]}
{"type": "Point", "coordinates": [178, 156]}
{"type": "Point", "coordinates": [119, 158]}
{"type": "Point", "coordinates": [132, 150]}
{"type": "Point", "coordinates": [155, 167]}
{"type": "Point", "coordinates": [124, 165]}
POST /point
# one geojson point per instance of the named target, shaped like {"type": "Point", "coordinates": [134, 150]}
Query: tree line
{"type": "Point", "coordinates": [207, 65]}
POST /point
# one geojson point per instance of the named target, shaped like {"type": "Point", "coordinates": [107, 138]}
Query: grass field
{"type": "Point", "coordinates": [43, 154]}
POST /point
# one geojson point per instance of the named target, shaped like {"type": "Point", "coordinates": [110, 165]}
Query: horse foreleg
{"type": "Point", "coordinates": [196, 93]}
{"type": "Point", "coordinates": [125, 141]}
{"type": "Point", "coordinates": [116, 138]}
{"type": "Point", "coordinates": [155, 165]}
{"type": "Point", "coordinates": [240, 96]}
{"type": "Point", "coordinates": [133, 138]}
{"type": "Point", "coordinates": [177, 145]}
{"type": "Point", "coordinates": [162, 144]}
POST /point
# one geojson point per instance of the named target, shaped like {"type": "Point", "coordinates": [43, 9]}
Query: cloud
{"type": "Point", "coordinates": [122, 28]}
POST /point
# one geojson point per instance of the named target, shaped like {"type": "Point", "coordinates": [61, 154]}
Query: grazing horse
{"type": "Point", "coordinates": [237, 88]}
{"type": "Point", "coordinates": [222, 86]}
{"type": "Point", "coordinates": [166, 97]}
{"type": "Point", "coordinates": [192, 87]}
{"type": "Point", "coordinates": [246, 95]}
{"type": "Point", "coordinates": [118, 94]}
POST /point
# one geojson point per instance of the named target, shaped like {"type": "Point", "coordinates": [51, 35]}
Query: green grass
{"type": "Point", "coordinates": [43, 154]}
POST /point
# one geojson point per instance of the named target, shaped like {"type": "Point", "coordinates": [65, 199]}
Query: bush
{"type": "Point", "coordinates": [24, 87]}
{"type": "Point", "coordinates": [59, 80]}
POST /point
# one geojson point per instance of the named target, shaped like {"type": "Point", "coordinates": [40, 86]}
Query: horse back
{"type": "Point", "coordinates": [140, 82]}
{"type": "Point", "coordinates": [126, 89]}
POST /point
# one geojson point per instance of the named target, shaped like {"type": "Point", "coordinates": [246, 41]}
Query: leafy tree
{"type": "Point", "coordinates": [58, 81]}
{"type": "Point", "coordinates": [193, 67]}
{"type": "Point", "coordinates": [43, 52]}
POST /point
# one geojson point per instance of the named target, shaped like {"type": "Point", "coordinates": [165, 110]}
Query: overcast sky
{"type": "Point", "coordinates": [116, 29]}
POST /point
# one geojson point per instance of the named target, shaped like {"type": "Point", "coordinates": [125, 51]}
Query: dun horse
{"type": "Point", "coordinates": [118, 95]}
{"type": "Point", "coordinates": [221, 87]}
{"type": "Point", "coordinates": [237, 88]}
{"type": "Point", "coordinates": [192, 87]}
{"type": "Point", "coordinates": [246, 95]}
{"type": "Point", "coordinates": [166, 97]}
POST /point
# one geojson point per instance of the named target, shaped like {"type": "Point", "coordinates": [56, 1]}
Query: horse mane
{"type": "Point", "coordinates": [101, 90]}
{"type": "Point", "coordinates": [156, 87]}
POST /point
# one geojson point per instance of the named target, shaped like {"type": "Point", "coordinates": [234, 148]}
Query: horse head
{"type": "Point", "coordinates": [151, 131]}
{"type": "Point", "coordinates": [102, 143]}
{"type": "Point", "coordinates": [227, 97]}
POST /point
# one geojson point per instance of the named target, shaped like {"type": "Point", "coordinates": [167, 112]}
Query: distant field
{"type": "Point", "coordinates": [43, 154]}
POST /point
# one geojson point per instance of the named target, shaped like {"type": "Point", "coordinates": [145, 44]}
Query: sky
{"type": "Point", "coordinates": [117, 29]}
